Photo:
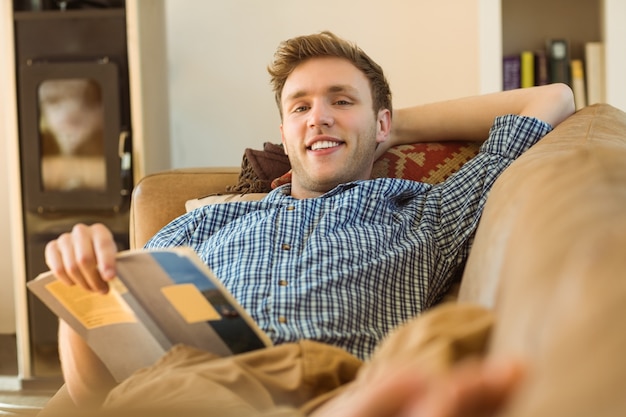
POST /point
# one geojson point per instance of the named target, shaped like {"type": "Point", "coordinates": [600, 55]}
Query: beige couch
{"type": "Point", "coordinates": [549, 257]}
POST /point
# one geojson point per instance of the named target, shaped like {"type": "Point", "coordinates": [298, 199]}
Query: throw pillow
{"type": "Point", "coordinates": [259, 168]}
{"type": "Point", "coordinates": [430, 162]}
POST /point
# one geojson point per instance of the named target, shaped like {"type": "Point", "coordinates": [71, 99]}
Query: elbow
{"type": "Point", "coordinates": [563, 99]}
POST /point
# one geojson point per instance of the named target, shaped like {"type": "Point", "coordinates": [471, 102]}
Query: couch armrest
{"type": "Point", "coordinates": [159, 198]}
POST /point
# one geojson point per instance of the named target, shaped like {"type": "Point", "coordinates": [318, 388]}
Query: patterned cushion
{"type": "Point", "coordinates": [430, 162]}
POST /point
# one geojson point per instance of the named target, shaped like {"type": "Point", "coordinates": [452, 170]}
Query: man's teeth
{"type": "Point", "coordinates": [324, 144]}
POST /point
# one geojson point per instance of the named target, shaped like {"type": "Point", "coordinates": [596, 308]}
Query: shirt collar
{"type": "Point", "coordinates": [284, 191]}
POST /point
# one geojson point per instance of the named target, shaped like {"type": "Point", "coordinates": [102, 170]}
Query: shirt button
{"type": "Point", "coordinates": [286, 246]}
{"type": "Point", "coordinates": [282, 320]}
{"type": "Point", "coordinates": [291, 208]}
{"type": "Point", "coordinates": [282, 283]}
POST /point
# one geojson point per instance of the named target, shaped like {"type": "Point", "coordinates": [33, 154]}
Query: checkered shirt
{"type": "Point", "coordinates": [349, 266]}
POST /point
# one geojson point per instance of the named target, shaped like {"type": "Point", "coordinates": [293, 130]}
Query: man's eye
{"type": "Point", "coordinates": [300, 109]}
{"type": "Point", "coordinates": [343, 102]}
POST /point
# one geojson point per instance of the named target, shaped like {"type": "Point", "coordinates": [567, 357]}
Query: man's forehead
{"type": "Point", "coordinates": [331, 89]}
{"type": "Point", "coordinates": [325, 75]}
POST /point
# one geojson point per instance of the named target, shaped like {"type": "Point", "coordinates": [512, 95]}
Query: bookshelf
{"type": "Point", "coordinates": [510, 26]}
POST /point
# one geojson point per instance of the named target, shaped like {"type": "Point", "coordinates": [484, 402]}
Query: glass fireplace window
{"type": "Point", "coordinates": [71, 122]}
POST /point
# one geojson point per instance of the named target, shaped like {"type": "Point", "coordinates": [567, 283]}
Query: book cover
{"type": "Point", "coordinates": [595, 72]}
{"type": "Point", "coordinates": [527, 69]}
{"type": "Point", "coordinates": [511, 72]}
{"type": "Point", "coordinates": [578, 83]}
{"type": "Point", "coordinates": [559, 61]}
{"type": "Point", "coordinates": [542, 69]}
{"type": "Point", "coordinates": [159, 299]}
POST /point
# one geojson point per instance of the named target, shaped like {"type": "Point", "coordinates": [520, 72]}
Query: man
{"type": "Point", "coordinates": [336, 258]}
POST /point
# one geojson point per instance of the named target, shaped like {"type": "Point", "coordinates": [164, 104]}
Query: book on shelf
{"type": "Point", "coordinates": [527, 69]}
{"type": "Point", "coordinates": [595, 72]}
{"type": "Point", "coordinates": [578, 83]}
{"type": "Point", "coordinates": [511, 72]}
{"type": "Point", "coordinates": [559, 60]}
{"type": "Point", "coordinates": [542, 69]}
{"type": "Point", "coordinates": [160, 298]}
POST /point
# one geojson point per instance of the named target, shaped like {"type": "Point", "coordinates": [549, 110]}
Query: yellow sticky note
{"type": "Point", "coordinates": [190, 303]}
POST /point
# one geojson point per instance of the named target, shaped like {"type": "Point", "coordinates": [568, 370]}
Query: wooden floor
{"type": "Point", "coordinates": [15, 397]}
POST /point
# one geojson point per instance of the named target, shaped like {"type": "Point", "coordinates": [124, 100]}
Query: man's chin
{"type": "Point", "coordinates": [319, 184]}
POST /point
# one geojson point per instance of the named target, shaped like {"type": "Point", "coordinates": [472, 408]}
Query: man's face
{"type": "Point", "coordinates": [329, 128]}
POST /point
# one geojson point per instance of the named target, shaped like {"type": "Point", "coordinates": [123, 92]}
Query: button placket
{"type": "Point", "coordinates": [290, 232]}
{"type": "Point", "coordinates": [287, 246]}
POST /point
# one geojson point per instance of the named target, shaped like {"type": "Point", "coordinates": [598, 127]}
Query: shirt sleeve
{"type": "Point", "coordinates": [458, 202]}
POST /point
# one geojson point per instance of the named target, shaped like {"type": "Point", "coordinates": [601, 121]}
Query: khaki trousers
{"type": "Point", "coordinates": [294, 379]}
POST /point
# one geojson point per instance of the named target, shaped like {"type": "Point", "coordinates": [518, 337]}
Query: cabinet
{"type": "Point", "coordinates": [509, 26]}
{"type": "Point", "coordinates": [147, 82]}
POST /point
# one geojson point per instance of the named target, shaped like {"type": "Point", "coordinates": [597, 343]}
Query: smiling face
{"type": "Point", "coordinates": [329, 129]}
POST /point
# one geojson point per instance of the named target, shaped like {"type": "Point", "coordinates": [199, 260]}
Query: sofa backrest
{"type": "Point", "coordinates": [567, 187]}
{"type": "Point", "coordinates": [159, 198]}
{"type": "Point", "coordinates": [549, 257]}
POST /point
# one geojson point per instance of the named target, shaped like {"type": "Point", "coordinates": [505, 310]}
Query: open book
{"type": "Point", "coordinates": [160, 298]}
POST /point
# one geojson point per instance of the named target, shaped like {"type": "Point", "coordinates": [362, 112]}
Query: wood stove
{"type": "Point", "coordinates": [74, 134]}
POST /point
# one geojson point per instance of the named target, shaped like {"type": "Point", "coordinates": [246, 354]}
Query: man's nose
{"type": "Point", "coordinates": [320, 116]}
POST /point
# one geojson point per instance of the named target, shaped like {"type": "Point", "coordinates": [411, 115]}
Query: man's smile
{"type": "Point", "coordinates": [323, 144]}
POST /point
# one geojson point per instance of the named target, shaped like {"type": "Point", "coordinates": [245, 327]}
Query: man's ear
{"type": "Point", "coordinates": [383, 125]}
{"type": "Point", "coordinates": [282, 139]}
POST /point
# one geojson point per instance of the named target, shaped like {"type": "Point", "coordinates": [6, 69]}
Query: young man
{"type": "Point", "coordinates": [338, 258]}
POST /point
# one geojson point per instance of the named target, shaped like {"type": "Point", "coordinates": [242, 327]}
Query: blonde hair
{"type": "Point", "coordinates": [294, 51]}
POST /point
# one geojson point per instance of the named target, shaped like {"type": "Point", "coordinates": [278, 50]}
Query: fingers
{"type": "Point", "coordinates": [474, 389]}
{"type": "Point", "coordinates": [104, 249]}
{"type": "Point", "coordinates": [85, 256]}
{"type": "Point", "coordinates": [471, 389]}
{"type": "Point", "coordinates": [385, 396]}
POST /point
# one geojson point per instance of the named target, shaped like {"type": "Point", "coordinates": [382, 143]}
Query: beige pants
{"type": "Point", "coordinates": [294, 379]}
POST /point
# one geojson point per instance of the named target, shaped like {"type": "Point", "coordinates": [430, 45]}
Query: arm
{"type": "Point", "coordinates": [470, 118]}
{"type": "Point", "coordinates": [87, 379]}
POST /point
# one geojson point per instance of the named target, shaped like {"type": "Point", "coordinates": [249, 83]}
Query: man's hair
{"type": "Point", "coordinates": [295, 51]}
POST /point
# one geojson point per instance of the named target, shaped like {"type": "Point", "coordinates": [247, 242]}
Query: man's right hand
{"type": "Point", "coordinates": [85, 256]}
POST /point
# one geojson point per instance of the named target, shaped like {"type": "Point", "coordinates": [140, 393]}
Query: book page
{"type": "Point", "coordinates": [92, 309]}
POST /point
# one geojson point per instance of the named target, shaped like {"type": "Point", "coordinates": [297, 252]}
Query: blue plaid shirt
{"type": "Point", "coordinates": [347, 267]}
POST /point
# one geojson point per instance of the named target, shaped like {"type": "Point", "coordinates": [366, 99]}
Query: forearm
{"type": "Point", "coordinates": [470, 118]}
{"type": "Point", "coordinates": [87, 380]}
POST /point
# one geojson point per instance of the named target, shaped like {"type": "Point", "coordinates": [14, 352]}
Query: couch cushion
{"type": "Point", "coordinates": [552, 183]}
{"type": "Point", "coordinates": [549, 257]}
{"type": "Point", "coordinates": [430, 162]}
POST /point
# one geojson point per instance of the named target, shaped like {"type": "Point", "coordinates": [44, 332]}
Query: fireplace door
{"type": "Point", "coordinates": [72, 144]}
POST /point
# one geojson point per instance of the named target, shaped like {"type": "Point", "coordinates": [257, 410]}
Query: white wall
{"type": "Point", "coordinates": [220, 98]}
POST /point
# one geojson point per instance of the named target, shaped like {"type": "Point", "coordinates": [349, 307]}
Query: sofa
{"type": "Point", "coordinates": [549, 259]}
